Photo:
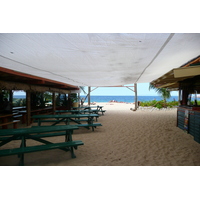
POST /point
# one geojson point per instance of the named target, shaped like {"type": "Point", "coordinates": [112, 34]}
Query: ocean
{"type": "Point", "coordinates": [127, 99]}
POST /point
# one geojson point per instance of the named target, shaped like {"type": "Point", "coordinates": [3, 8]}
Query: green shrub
{"type": "Point", "coordinates": [19, 102]}
{"type": "Point", "coordinates": [159, 104]}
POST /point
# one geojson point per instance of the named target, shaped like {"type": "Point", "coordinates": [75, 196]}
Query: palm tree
{"type": "Point", "coordinates": [163, 92]}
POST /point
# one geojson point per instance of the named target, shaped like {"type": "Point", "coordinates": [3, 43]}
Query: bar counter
{"type": "Point", "coordinates": [188, 119]}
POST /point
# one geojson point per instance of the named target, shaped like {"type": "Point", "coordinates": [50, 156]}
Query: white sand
{"type": "Point", "coordinates": [127, 138]}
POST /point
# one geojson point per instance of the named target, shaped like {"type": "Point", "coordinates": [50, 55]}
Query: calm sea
{"type": "Point", "coordinates": [127, 99]}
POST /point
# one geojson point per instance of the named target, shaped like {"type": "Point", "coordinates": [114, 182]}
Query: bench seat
{"type": "Point", "coordinates": [103, 111]}
{"type": "Point", "coordinates": [29, 149]}
{"type": "Point", "coordinates": [47, 120]}
{"type": "Point", "coordinates": [90, 125]}
{"type": "Point", "coordinates": [38, 135]}
{"type": "Point", "coordinates": [54, 120]}
{"type": "Point", "coordinates": [97, 111]}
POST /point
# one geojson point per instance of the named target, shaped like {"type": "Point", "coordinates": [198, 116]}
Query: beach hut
{"type": "Point", "coordinates": [185, 79]}
{"type": "Point", "coordinates": [11, 80]}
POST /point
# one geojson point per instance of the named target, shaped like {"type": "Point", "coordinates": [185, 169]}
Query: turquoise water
{"type": "Point", "coordinates": [127, 99]}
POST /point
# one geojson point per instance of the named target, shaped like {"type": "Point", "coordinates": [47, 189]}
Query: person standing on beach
{"type": "Point", "coordinates": [82, 101]}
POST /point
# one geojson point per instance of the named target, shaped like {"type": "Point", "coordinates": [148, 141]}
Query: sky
{"type": "Point", "coordinates": [142, 90]}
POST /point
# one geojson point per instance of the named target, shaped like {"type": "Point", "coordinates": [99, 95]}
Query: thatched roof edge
{"type": "Point", "coordinates": [8, 85]}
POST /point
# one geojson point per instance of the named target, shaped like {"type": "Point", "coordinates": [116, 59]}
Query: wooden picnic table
{"type": "Point", "coordinates": [37, 133]}
{"type": "Point", "coordinates": [79, 111]}
{"type": "Point", "coordinates": [67, 118]}
{"type": "Point", "coordinates": [89, 109]}
{"type": "Point", "coordinates": [95, 111]}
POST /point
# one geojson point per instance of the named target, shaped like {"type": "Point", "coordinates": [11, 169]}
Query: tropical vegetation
{"type": "Point", "coordinates": [159, 104]}
{"type": "Point", "coordinates": [164, 93]}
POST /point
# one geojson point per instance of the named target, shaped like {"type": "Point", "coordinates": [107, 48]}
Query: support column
{"type": "Point", "coordinates": [28, 108]}
{"type": "Point", "coordinates": [89, 89]}
{"type": "Point", "coordinates": [136, 101]}
{"type": "Point", "coordinates": [11, 96]}
{"type": "Point", "coordinates": [54, 102]}
{"type": "Point", "coordinates": [79, 99]}
{"type": "Point", "coordinates": [185, 94]}
{"type": "Point", "coordinates": [179, 97]}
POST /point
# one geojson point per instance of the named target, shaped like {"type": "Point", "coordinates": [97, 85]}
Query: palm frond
{"type": "Point", "coordinates": [163, 92]}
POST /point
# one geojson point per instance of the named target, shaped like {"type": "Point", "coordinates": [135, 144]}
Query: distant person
{"type": "Point", "coordinates": [82, 101]}
{"type": "Point", "coordinates": [7, 106]}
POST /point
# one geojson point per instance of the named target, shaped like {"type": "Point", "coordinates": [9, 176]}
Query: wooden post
{"type": "Point", "coordinates": [79, 98]}
{"type": "Point", "coordinates": [185, 94]}
{"type": "Point", "coordinates": [28, 108]}
{"type": "Point", "coordinates": [54, 102]}
{"type": "Point", "coordinates": [179, 97]}
{"type": "Point", "coordinates": [11, 96]}
{"type": "Point", "coordinates": [136, 101]}
{"type": "Point", "coordinates": [89, 95]}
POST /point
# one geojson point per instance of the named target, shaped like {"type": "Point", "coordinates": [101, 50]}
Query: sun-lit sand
{"type": "Point", "coordinates": [127, 138]}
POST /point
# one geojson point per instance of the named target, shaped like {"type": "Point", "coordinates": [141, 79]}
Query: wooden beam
{"type": "Point", "coordinates": [188, 71]}
{"type": "Point", "coordinates": [166, 85]}
{"type": "Point", "coordinates": [16, 73]}
{"type": "Point", "coordinates": [196, 60]}
{"type": "Point", "coordinates": [36, 82]}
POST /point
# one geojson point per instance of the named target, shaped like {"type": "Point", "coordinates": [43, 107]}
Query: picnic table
{"type": "Point", "coordinates": [37, 133]}
{"type": "Point", "coordinates": [79, 111]}
{"type": "Point", "coordinates": [90, 110]}
{"type": "Point", "coordinates": [96, 111]}
{"type": "Point", "coordinates": [86, 107]}
{"type": "Point", "coordinates": [67, 118]}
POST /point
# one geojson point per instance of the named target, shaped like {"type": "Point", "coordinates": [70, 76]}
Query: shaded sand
{"type": "Point", "coordinates": [127, 138]}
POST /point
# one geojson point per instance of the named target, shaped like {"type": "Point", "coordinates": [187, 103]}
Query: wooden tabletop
{"type": "Point", "coordinates": [36, 129]}
{"type": "Point", "coordinates": [64, 116]}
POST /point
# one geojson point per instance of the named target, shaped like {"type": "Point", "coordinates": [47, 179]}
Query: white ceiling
{"type": "Point", "coordinates": [98, 59]}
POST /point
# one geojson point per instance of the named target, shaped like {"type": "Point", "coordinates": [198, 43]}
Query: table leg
{"type": "Point", "coordinates": [68, 138]}
{"type": "Point", "coordinates": [39, 122]}
{"type": "Point", "coordinates": [21, 156]}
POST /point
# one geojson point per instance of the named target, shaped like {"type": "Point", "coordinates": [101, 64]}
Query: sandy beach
{"type": "Point", "coordinates": [127, 138]}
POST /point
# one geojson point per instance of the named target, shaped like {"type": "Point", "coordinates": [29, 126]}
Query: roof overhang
{"type": "Point", "coordinates": [10, 79]}
{"type": "Point", "coordinates": [171, 79]}
{"type": "Point", "coordinates": [187, 72]}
